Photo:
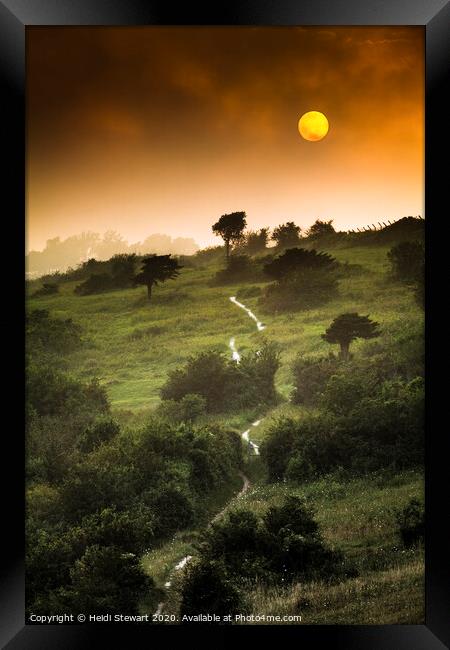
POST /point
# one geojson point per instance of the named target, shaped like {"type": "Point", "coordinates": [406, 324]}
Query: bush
{"type": "Point", "coordinates": [173, 511]}
{"type": "Point", "coordinates": [208, 590]}
{"type": "Point", "coordinates": [311, 377]}
{"type": "Point", "coordinates": [407, 261]}
{"type": "Point", "coordinates": [284, 544]}
{"type": "Point", "coordinates": [207, 374]}
{"type": "Point", "coordinates": [99, 432]}
{"type": "Point", "coordinates": [99, 283]}
{"type": "Point", "coordinates": [239, 268]}
{"type": "Point", "coordinates": [105, 580]}
{"type": "Point", "coordinates": [50, 392]}
{"type": "Point", "coordinates": [368, 432]}
{"type": "Point", "coordinates": [411, 523]}
{"type": "Point", "coordinates": [304, 291]}
{"type": "Point", "coordinates": [51, 335]}
{"type": "Point", "coordinates": [224, 384]}
{"type": "Point", "coordinates": [188, 409]}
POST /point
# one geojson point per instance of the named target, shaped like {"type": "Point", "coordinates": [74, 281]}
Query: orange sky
{"type": "Point", "coordinates": [148, 129]}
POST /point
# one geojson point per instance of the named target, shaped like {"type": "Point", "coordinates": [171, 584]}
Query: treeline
{"type": "Point", "coordinates": [99, 497]}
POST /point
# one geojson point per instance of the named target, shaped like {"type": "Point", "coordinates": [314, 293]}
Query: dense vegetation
{"type": "Point", "coordinates": [135, 411]}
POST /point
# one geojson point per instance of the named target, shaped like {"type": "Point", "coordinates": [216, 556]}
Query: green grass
{"type": "Point", "coordinates": [132, 344]}
{"type": "Point", "coordinates": [356, 516]}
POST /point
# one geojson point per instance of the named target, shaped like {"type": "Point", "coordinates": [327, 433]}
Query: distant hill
{"type": "Point", "coordinates": [61, 254]}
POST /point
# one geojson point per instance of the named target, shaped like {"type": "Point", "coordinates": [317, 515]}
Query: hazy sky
{"type": "Point", "coordinates": [149, 129]}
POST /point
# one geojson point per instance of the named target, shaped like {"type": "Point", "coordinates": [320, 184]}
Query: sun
{"type": "Point", "coordinates": [313, 126]}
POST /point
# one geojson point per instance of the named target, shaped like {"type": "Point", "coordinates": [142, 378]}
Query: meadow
{"type": "Point", "coordinates": [133, 344]}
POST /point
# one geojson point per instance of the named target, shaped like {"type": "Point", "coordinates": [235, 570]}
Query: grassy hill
{"type": "Point", "coordinates": [131, 345]}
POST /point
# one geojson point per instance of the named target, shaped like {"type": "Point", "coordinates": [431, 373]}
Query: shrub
{"type": "Point", "coordinates": [407, 261]}
{"type": "Point", "coordinates": [299, 292]}
{"type": "Point", "coordinates": [99, 432]}
{"type": "Point", "coordinates": [105, 580]}
{"type": "Point", "coordinates": [98, 283]}
{"type": "Point", "coordinates": [208, 590]}
{"type": "Point", "coordinates": [188, 409]}
{"type": "Point", "coordinates": [311, 377]}
{"type": "Point", "coordinates": [173, 511]}
{"type": "Point", "coordinates": [239, 268]}
{"type": "Point", "coordinates": [206, 374]}
{"type": "Point", "coordinates": [224, 384]}
{"type": "Point", "coordinates": [51, 335]}
{"type": "Point", "coordinates": [411, 523]}
{"type": "Point", "coordinates": [285, 543]}
{"type": "Point", "coordinates": [47, 289]}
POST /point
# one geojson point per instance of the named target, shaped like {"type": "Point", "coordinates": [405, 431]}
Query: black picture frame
{"type": "Point", "coordinates": [15, 16]}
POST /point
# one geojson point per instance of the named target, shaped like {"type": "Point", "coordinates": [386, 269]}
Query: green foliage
{"type": "Point", "coordinates": [188, 409]}
{"type": "Point", "coordinates": [411, 523]}
{"type": "Point", "coordinates": [105, 580]}
{"type": "Point", "coordinates": [304, 279]}
{"type": "Point", "coordinates": [224, 384]}
{"type": "Point", "coordinates": [51, 335]}
{"type": "Point", "coordinates": [311, 377]}
{"type": "Point", "coordinates": [240, 268]}
{"type": "Point", "coordinates": [366, 426]}
{"type": "Point", "coordinates": [50, 392]}
{"type": "Point", "coordinates": [98, 283]}
{"type": "Point", "coordinates": [307, 290]}
{"type": "Point", "coordinates": [407, 261]}
{"type": "Point", "coordinates": [285, 544]}
{"type": "Point", "coordinates": [208, 590]}
{"type": "Point", "coordinates": [97, 433]}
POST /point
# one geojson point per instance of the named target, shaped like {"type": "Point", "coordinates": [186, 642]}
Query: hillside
{"type": "Point", "coordinates": [131, 345]}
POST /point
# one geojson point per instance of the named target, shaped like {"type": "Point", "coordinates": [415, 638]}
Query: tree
{"type": "Point", "coordinates": [230, 227]}
{"type": "Point", "coordinates": [348, 327]}
{"type": "Point", "coordinates": [256, 241]}
{"type": "Point", "coordinates": [287, 234]}
{"type": "Point", "coordinates": [296, 260]}
{"type": "Point", "coordinates": [320, 228]}
{"type": "Point", "coordinates": [155, 269]}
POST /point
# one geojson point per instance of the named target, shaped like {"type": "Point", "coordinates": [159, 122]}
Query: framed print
{"type": "Point", "coordinates": [229, 221]}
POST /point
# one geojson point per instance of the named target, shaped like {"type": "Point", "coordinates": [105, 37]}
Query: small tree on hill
{"type": "Point", "coordinates": [320, 228]}
{"type": "Point", "coordinates": [348, 327]}
{"type": "Point", "coordinates": [156, 269]}
{"type": "Point", "coordinates": [287, 234]}
{"type": "Point", "coordinates": [231, 228]}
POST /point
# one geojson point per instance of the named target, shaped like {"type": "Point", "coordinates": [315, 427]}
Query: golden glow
{"type": "Point", "coordinates": [313, 126]}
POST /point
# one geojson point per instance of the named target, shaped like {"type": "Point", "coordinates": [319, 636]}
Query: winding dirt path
{"type": "Point", "coordinates": [245, 436]}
